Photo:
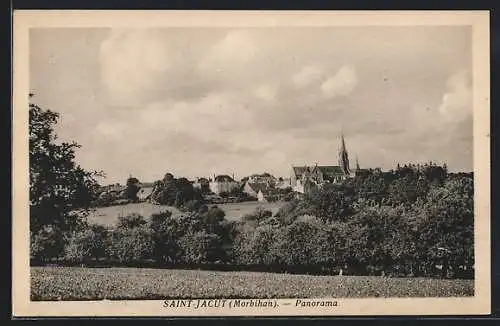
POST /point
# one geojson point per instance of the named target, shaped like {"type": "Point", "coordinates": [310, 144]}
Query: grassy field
{"type": "Point", "coordinates": [76, 283]}
{"type": "Point", "coordinates": [108, 215]}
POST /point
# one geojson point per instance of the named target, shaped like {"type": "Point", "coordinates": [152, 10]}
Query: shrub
{"type": "Point", "coordinates": [83, 245]}
{"type": "Point", "coordinates": [131, 245]}
{"type": "Point", "coordinates": [46, 244]}
{"type": "Point", "coordinates": [130, 221]}
{"type": "Point", "coordinates": [166, 232]}
{"type": "Point", "coordinates": [257, 246]}
{"type": "Point", "coordinates": [299, 243]}
{"type": "Point", "coordinates": [258, 215]}
{"type": "Point", "coordinates": [212, 220]}
{"type": "Point", "coordinates": [200, 247]}
{"type": "Point", "coordinates": [193, 205]}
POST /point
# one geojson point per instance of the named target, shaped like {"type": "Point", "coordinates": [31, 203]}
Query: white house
{"type": "Point", "coordinates": [223, 183]}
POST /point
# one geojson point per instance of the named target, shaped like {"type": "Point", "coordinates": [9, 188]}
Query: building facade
{"type": "Point", "coordinates": [223, 184]}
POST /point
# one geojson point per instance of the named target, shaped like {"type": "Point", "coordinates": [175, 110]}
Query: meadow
{"type": "Point", "coordinates": [78, 283]}
{"type": "Point", "coordinates": [108, 216]}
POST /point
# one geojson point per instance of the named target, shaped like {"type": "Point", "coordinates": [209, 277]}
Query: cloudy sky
{"type": "Point", "coordinates": [199, 101]}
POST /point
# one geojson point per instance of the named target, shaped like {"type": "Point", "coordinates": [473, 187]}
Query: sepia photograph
{"type": "Point", "coordinates": [285, 165]}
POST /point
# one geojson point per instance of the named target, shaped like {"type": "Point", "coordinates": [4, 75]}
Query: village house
{"type": "Point", "coordinates": [144, 193]}
{"type": "Point", "coordinates": [223, 184]}
{"type": "Point", "coordinates": [263, 178]}
{"type": "Point", "coordinates": [202, 184]}
{"type": "Point", "coordinates": [283, 183]}
{"type": "Point", "coordinates": [269, 195]}
{"type": "Point", "coordinates": [252, 188]}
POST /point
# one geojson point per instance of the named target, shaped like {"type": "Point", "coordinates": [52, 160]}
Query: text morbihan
{"type": "Point", "coordinates": [254, 303]}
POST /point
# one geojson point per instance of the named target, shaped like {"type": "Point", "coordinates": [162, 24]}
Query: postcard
{"type": "Point", "coordinates": [250, 163]}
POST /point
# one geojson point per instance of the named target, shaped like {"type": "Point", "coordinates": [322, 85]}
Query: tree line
{"type": "Point", "coordinates": [416, 220]}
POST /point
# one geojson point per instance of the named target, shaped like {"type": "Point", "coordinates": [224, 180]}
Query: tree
{"type": "Point", "coordinates": [175, 192]}
{"type": "Point", "coordinates": [61, 192]}
{"type": "Point", "coordinates": [166, 233]}
{"type": "Point", "coordinates": [46, 244]}
{"type": "Point", "coordinates": [132, 188]}
{"type": "Point", "coordinates": [331, 202]}
{"type": "Point", "coordinates": [130, 221]}
{"type": "Point", "coordinates": [83, 245]}
{"type": "Point", "coordinates": [200, 247]}
{"type": "Point", "coordinates": [131, 245]}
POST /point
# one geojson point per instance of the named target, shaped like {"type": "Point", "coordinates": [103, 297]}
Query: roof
{"type": "Point", "coordinates": [223, 178]}
{"type": "Point", "coordinates": [327, 170]}
{"type": "Point", "coordinates": [145, 191]}
{"type": "Point", "coordinates": [331, 170]}
{"type": "Point", "coordinates": [146, 184]}
{"type": "Point", "coordinates": [257, 186]}
{"type": "Point", "coordinates": [269, 191]}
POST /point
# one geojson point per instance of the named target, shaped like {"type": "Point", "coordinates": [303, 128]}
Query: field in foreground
{"type": "Point", "coordinates": [108, 216]}
{"type": "Point", "coordinates": [77, 283]}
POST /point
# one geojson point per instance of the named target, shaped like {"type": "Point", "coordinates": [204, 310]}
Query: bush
{"type": "Point", "coordinates": [259, 214]}
{"type": "Point", "coordinates": [131, 245]}
{"type": "Point", "coordinates": [83, 245]}
{"type": "Point", "coordinates": [166, 232]}
{"type": "Point", "coordinates": [300, 243]}
{"type": "Point", "coordinates": [200, 247]}
{"type": "Point", "coordinates": [212, 220]}
{"type": "Point", "coordinates": [193, 205]}
{"type": "Point", "coordinates": [257, 246]}
{"type": "Point", "coordinates": [46, 244]}
{"type": "Point", "coordinates": [130, 221]}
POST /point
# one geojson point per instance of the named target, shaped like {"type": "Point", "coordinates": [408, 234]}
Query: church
{"type": "Point", "coordinates": [305, 178]}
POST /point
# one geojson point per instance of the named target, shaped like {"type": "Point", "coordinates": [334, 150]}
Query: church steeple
{"type": "Point", "coordinates": [343, 156]}
{"type": "Point", "coordinates": [357, 163]}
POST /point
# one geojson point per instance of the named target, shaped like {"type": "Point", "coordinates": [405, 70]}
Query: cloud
{"type": "Point", "coordinates": [266, 92]}
{"type": "Point", "coordinates": [306, 76]}
{"type": "Point", "coordinates": [202, 98]}
{"type": "Point", "coordinates": [110, 130]}
{"type": "Point", "coordinates": [457, 102]}
{"type": "Point", "coordinates": [342, 83]}
{"type": "Point", "coordinates": [237, 47]}
{"type": "Point", "coordinates": [130, 61]}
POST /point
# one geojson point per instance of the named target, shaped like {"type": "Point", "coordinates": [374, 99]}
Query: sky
{"type": "Point", "coordinates": [204, 101]}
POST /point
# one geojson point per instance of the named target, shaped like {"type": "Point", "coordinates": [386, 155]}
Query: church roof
{"type": "Point", "coordinates": [327, 170]}
{"type": "Point", "coordinates": [331, 170]}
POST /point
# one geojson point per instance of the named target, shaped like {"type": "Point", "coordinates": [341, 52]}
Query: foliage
{"type": "Point", "coordinates": [131, 245]}
{"type": "Point", "coordinates": [175, 192]}
{"type": "Point", "coordinates": [255, 246]}
{"type": "Point", "coordinates": [130, 221]}
{"type": "Point", "coordinates": [132, 188]}
{"type": "Point", "coordinates": [58, 186]}
{"type": "Point", "coordinates": [85, 244]}
{"type": "Point", "coordinates": [331, 202]}
{"type": "Point", "coordinates": [259, 214]}
{"type": "Point", "coordinates": [46, 243]}
{"type": "Point", "coordinates": [200, 247]}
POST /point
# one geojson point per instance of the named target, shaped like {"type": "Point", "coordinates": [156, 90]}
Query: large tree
{"type": "Point", "coordinates": [60, 190]}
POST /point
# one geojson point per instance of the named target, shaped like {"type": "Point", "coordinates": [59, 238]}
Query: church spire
{"type": "Point", "coordinates": [343, 156]}
{"type": "Point", "coordinates": [357, 163]}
